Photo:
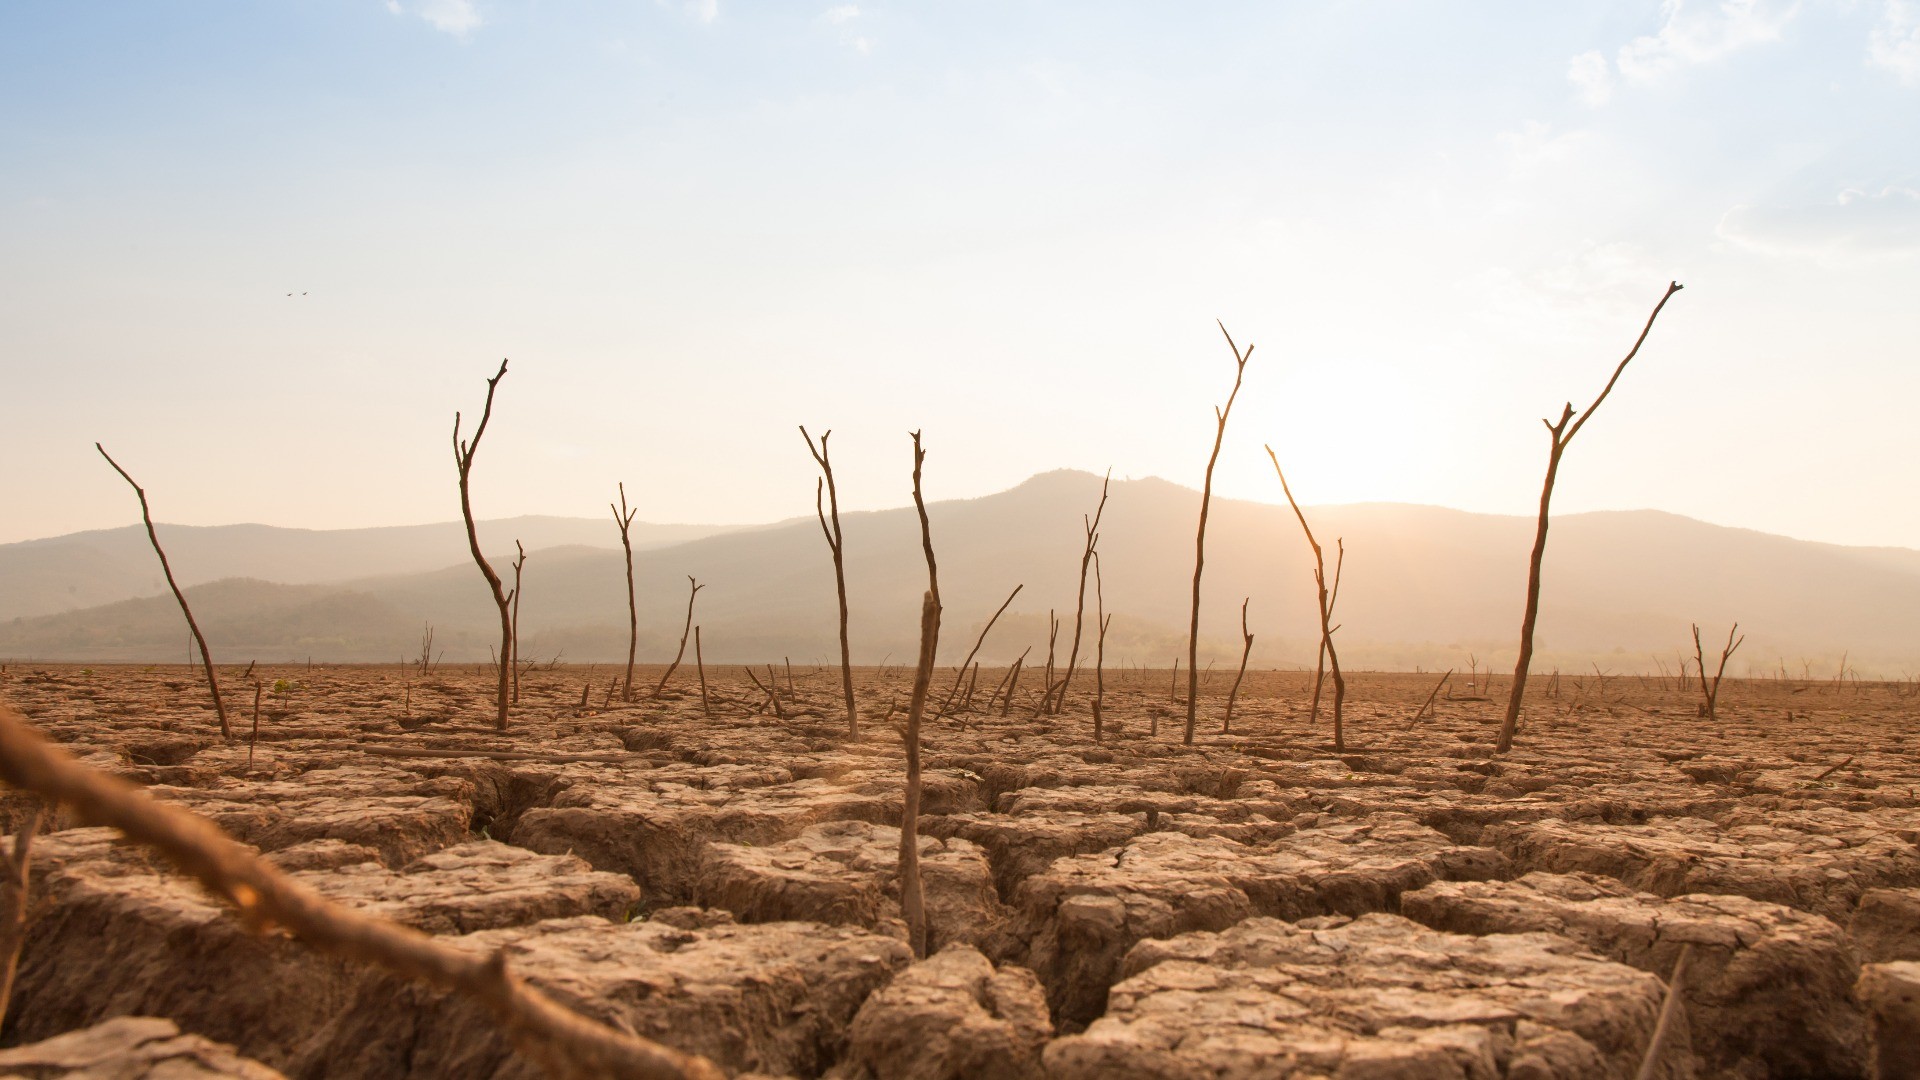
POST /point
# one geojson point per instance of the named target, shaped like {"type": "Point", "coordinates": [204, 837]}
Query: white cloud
{"type": "Point", "coordinates": [840, 13]}
{"type": "Point", "coordinates": [456, 17]}
{"type": "Point", "coordinates": [1688, 36]}
{"type": "Point", "coordinates": [1895, 42]}
{"type": "Point", "coordinates": [704, 10]}
{"type": "Point", "coordinates": [1592, 76]}
{"type": "Point", "coordinates": [863, 46]}
{"type": "Point", "coordinates": [1856, 226]}
{"type": "Point", "coordinates": [393, 7]}
{"type": "Point", "coordinates": [1691, 36]}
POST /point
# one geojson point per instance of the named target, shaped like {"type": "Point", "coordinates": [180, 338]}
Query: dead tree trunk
{"type": "Point", "coordinates": [623, 517]}
{"type": "Point", "coordinates": [518, 563]}
{"type": "Point", "coordinates": [463, 460]}
{"type": "Point", "coordinates": [1710, 691]}
{"type": "Point", "coordinates": [912, 897]}
{"type": "Point", "coordinates": [1328, 598]}
{"type": "Point", "coordinates": [835, 544]}
{"type": "Point", "coordinates": [1226, 723]}
{"type": "Point", "coordinates": [206, 660]}
{"type": "Point", "coordinates": [1092, 525]}
{"type": "Point", "coordinates": [1200, 534]}
{"type": "Point", "coordinates": [688, 629]}
{"type": "Point", "coordinates": [981, 640]}
{"type": "Point", "coordinates": [1559, 435]}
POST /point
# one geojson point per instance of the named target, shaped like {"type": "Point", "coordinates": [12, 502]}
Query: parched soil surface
{"type": "Point", "coordinates": [722, 877]}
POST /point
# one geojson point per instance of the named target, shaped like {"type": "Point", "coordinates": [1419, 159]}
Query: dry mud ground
{"type": "Point", "coordinates": [1254, 905]}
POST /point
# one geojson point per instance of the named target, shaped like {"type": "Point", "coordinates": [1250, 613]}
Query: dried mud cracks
{"type": "Point", "coordinates": [1252, 906]}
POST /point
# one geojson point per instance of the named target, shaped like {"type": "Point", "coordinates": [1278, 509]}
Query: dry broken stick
{"type": "Point", "coordinates": [564, 1043]}
{"type": "Point", "coordinates": [1200, 534]}
{"type": "Point", "coordinates": [971, 653]}
{"type": "Point", "coordinates": [206, 661]}
{"type": "Point", "coordinates": [1650, 1065]}
{"type": "Point", "coordinates": [463, 452]}
{"type": "Point", "coordinates": [836, 543]}
{"type": "Point", "coordinates": [675, 666]}
{"type": "Point", "coordinates": [623, 517]}
{"type": "Point", "coordinates": [1057, 696]}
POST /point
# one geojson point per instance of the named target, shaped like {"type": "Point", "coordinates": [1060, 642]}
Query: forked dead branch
{"type": "Point", "coordinates": [1559, 435]}
{"type": "Point", "coordinates": [693, 591]}
{"type": "Point", "coordinates": [1710, 690]}
{"type": "Point", "coordinates": [830, 525]}
{"type": "Point", "coordinates": [1057, 698]}
{"type": "Point", "coordinates": [463, 461]}
{"type": "Point", "coordinates": [206, 661]}
{"type": "Point", "coordinates": [1328, 597]}
{"type": "Point", "coordinates": [623, 517]}
{"type": "Point", "coordinates": [564, 1043]}
{"type": "Point", "coordinates": [1200, 534]}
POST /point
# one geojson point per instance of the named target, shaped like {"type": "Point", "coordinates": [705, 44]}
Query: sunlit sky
{"type": "Point", "coordinates": [694, 226]}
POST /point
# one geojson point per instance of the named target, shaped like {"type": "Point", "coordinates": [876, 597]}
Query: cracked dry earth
{"type": "Point", "coordinates": [1254, 905]}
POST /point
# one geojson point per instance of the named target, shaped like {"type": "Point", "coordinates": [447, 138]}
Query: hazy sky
{"type": "Point", "coordinates": [693, 226]}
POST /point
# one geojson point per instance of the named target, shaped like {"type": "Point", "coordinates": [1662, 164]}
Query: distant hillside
{"type": "Point", "coordinates": [86, 569]}
{"type": "Point", "coordinates": [1423, 586]}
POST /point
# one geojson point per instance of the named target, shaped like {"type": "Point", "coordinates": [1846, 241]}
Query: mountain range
{"type": "Point", "coordinates": [1421, 587]}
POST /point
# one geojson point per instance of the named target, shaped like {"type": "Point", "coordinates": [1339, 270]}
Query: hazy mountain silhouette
{"type": "Point", "coordinates": [1423, 586]}
{"type": "Point", "coordinates": [85, 569]}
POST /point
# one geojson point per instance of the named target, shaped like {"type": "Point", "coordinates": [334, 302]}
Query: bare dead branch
{"type": "Point", "coordinates": [1092, 526]}
{"type": "Point", "coordinates": [1200, 534]}
{"type": "Point", "coordinates": [623, 517]}
{"type": "Point", "coordinates": [836, 544]}
{"type": "Point", "coordinates": [688, 629]}
{"type": "Point", "coordinates": [519, 563]}
{"type": "Point", "coordinates": [206, 660]}
{"type": "Point", "coordinates": [1559, 435]}
{"type": "Point", "coordinates": [1327, 598]}
{"type": "Point", "coordinates": [1650, 1064]}
{"type": "Point", "coordinates": [14, 882]}
{"type": "Point", "coordinates": [1226, 722]}
{"type": "Point", "coordinates": [463, 461]}
{"type": "Point", "coordinates": [971, 653]}
{"type": "Point", "coordinates": [912, 896]}
{"type": "Point", "coordinates": [700, 665]}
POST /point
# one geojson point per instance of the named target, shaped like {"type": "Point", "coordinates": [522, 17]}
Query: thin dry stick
{"type": "Point", "coordinates": [1710, 691]}
{"type": "Point", "coordinates": [13, 904]}
{"type": "Point", "coordinates": [1835, 769]}
{"type": "Point", "coordinates": [563, 1042]}
{"type": "Point", "coordinates": [255, 737]}
{"type": "Point", "coordinates": [688, 629]}
{"type": "Point", "coordinates": [1226, 723]}
{"type": "Point", "coordinates": [971, 653]}
{"type": "Point", "coordinates": [1327, 599]}
{"type": "Point", "coordinates": [206, 660]}
{"type": "Point", "coordinates": [623, 517]}
{"type": "Point", "coordinates": [1002, 684]}
{"type": "Point", "coordinates": [494, 755]}
{"type": "Point", "coordinates": [1013, 683]}
{"type": "Point", "coordinates": [1092, 526]}
{"type": "Point", "coordinates": [518, 563]}
{"type": "Point", "coordinates": [912, 897]}
{"type": "Point", "coordinates": [1046, 684]}
{"type": "Point", "coordinates": [463, 461]}
{"type": "Point", "coordinates": [1429, 702]}
{"type": "Point", "coordinates": [1200, 534]}
{"type": "Point", "coordinates": [1650, 1064]}
{"type": "Point", "coordinates": [836, 544]}
{"type": "Point", "coordinates": [1103, 621]}
{"type": "Point", "coordinates": [1560, 435]}
{"type": "Point", "coordinates": [700, 665]}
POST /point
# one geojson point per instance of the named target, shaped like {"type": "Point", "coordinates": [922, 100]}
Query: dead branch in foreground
{"type": "Point", "coordinates": [206, 661]}
{"type": "Point", "coordinates": [13, 904]}
{"type": "Point", "coordinates": [563, 1042]}
{"type": "Point", "coordinates": [1650, 1065]}
{"type": "Point", "coordinates": [912, 895]}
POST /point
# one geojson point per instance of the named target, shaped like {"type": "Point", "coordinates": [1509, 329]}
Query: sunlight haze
{"type": "Point", "coordinates": [694, 226]}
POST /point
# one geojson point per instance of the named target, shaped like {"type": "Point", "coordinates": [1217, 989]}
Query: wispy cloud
{"type": "Point", "coordinates": [1592, 76]}
{"type": "Point", "coordinates": [840, 13]}
{"type": "Point", "coordinates": [1856, 226]}
{"type": "Point", "coordinates": [704, 10]}
{"type": "Point", "coordinates": [456, 17]}
{"type": "Point", "coordinates": [1690, 35]}
{"type": "Point", "coordinates": [1895, 41]}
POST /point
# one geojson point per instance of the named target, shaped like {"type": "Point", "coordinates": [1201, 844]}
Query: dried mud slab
{"type": "Point", "coordinates": [1020, 847]}
{"type": "Point", "coordinates": [1886, 925]}
{"type": "Point", "coordinates": [774, 998]}
{"type": "Point", "coordinates": [121, 934]}
{"type": "Point", "coordinates": [658, 833]}
{"type": "Point", "coordinates": [130, 1048]}
{"type": "Point", "coordinates": [1380, 998]}
{"type": "Point", "coordinates": [397, 813]}
{"type": "Point", "coordinates": [1822, 873]}
{"type": "Point", "coordinates": [1082, 914]}
{"type": "Point", "coordinates": [848, 873]}
{"type": "Point", "coordinates": [1891, 994]}
{"type": "Point", "coordinates": [950, 1017]}
{"type": "Point", "coordinates": [1768, 989]}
